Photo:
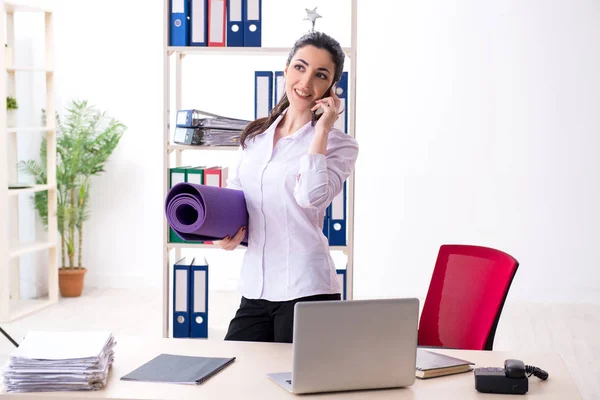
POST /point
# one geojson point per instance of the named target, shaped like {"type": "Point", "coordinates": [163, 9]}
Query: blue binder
{"type": "Point", "coordinates": [279, 87]}
{"type": "Point", "coordinates": [235, 23]}
{"type": "Point", "coordinates": [198, 22]}
{"type": "Point", "coordinates": [341, 90]}
{"type": "Point", "coordinates": [179, 28]}
{"type": "Point", "coordinates": [199, 300]}
{"type": "Point", "coordinates": [337, 219]}
{"type": "Point", "coordinates": [263, 93]}
{"type": "Point", "coordinates": [253, 23]}
{"type": "Point", "coordinates": [181, 300]}
{"type": "Point", "coordinates": [341, 275]}
{"type": "Point", "coordinates": [326, 222]}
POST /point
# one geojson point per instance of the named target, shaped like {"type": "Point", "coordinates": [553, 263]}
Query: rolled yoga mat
{"type": "Point", "coordinates": [199, 212]}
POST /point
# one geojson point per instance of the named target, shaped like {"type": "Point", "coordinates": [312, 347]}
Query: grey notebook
{"type": "Point", "coordinates": [171, 368]}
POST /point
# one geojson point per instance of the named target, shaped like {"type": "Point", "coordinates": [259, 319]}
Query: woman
{"type": "Point", "coordinates": [291, 165]}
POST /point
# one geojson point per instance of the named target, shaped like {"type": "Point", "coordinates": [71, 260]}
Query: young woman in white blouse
{"type": "Point", "coordinates": [291, 165]}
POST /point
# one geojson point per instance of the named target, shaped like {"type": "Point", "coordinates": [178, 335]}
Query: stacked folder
{"type": "Point", "coordinates": [200, 128]}
{"type": "Point", "coordinates": [60, 361]}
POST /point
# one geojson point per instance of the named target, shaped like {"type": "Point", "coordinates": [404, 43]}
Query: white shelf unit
{"type": "Point", "coordinates": [179, 53]}
{"type": "Point", "coordinates": [11, 305]}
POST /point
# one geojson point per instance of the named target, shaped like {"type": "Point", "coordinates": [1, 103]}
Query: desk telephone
{"type": "Point", "coordinates": [508, 380]}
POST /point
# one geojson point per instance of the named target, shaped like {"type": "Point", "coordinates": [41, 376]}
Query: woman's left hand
{"type": "Point", "coordinates": [330, 106]}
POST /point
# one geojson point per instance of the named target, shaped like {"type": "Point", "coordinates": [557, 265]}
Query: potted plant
{"type": "Point", "coordinates": [84, 143]}
{"type": "Point", "coordinates": [8, 55]}
{"type": "Point", "coordinates": [11, 111]}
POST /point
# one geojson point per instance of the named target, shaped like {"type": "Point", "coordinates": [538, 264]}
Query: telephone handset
{"type": "Point", "coordinates": [511, 379]}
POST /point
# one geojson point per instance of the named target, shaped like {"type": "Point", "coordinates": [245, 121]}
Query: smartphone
{"type": "Point", "coordinates": [317, 113]}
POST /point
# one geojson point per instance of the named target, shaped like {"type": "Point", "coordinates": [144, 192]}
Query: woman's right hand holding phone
{"type": "Point", "coordinates": [230, 243]}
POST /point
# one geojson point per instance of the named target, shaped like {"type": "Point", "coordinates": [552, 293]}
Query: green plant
{"type": "Point", "coordinates": [11, 103]}
{"type": "Point", "coordinates": [84, 143]}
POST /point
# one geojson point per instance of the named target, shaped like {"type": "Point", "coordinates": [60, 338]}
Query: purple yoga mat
{"type": "Point", "coordinates": [199, 212]}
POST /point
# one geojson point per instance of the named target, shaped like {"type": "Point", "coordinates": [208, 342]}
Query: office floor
{"type": "Point", "coordinates": [568, 329]}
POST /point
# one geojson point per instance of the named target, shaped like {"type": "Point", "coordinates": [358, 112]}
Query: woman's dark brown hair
{"type": "Point", "coordinates": [318, 40]}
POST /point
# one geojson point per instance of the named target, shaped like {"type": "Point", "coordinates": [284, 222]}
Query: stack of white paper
{"type": "Point", "coordinates": [60, 361]}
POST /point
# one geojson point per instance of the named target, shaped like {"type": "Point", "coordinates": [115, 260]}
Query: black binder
{"type": "Point", "coordinates": [170, 368]}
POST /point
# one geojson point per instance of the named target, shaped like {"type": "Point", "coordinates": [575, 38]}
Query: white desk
{"type": "Point", "coordinates": [246, 377]}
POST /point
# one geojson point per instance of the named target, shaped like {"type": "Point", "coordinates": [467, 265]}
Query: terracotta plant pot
{"type": "Point", "coordinates": [70, 281]}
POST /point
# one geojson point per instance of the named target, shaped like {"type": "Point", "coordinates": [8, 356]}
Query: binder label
{"type": "Point", "coordinates": [177, 6]}
{"type": "Point", "coordinates": [199, 291]}
{"type": "Point", "coordinates": [181, 291]}
{"type": "Point", "coordinates": [253, 10]}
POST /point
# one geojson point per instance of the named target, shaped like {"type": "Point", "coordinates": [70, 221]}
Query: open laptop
{"type": "Point", "coordinates": [352, 345]}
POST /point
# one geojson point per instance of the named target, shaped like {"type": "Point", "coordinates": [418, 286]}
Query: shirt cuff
{"type": "Point", "coordinates": [313, 162]}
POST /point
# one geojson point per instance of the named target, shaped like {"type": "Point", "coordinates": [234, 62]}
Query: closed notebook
{"type": "Point", "coordinates": [169, 368]}
{"type": "Point", "coordinates": [431, 364]}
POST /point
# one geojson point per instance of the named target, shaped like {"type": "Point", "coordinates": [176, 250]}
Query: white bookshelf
{"type": "Point", "coordinates": [11, 249]}
{"type": "Point", "coordinates": [178, 53]}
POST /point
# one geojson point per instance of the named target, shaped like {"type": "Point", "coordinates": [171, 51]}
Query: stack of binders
{"type": "Point", "coordinates": [190, 299]}
{"type": "Point", "coordinates": [215, 23]}
{"type": "Point", "coordinates": [200, 128]}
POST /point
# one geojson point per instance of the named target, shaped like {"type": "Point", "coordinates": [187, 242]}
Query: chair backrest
{"type": "Point", "coordinates": [465, 297]}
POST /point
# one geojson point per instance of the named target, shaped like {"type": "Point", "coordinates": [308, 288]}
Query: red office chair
{"type": "Point", "coordinates": [465, 297]}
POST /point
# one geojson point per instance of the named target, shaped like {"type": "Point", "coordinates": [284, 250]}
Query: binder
{"type": "Point", "coordinates": [198, 22]}
{"type": "Point", "coordinates": [341, 90]}
{"type": "Point", "coordinates": [181, 300]}
{"type": "Point", "coordinates": [217, 19]}
{"type": "Point", "coordinates": [263, 93]}
{"type": "Point", "coordinates": [326, 218]}
{"type": "Point", "coordinates": [235, 23]}
{"type": "Point", "coordinates": [337, 219]}
{"type": "Point", "coordinates": [179, 26]}
{"type": "Point", "coordinates": [253, 23]}
{"type": "Point", "coordinates": [195, 175]}
{"type": "Point", "coordinates": [216, 176]}
{"type": "Point", "coordinates": [279, 87]}
{"type": "Point", "coordinates": [176, 175]}
{"type": "Point", "coordinates": [341, 276]}
{"type": "Point", "coordinates": [199, 300]}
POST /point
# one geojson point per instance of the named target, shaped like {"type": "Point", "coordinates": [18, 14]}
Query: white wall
{"type": "Point", "coordinates": [477, 124]}
{"type": "Point", "coordinates": [486, 114]}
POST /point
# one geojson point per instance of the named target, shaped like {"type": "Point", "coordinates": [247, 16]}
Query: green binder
{"type": "Point", "coordinates": [176, 175]}
{"type": "Point", "coordinates": [184, 174]}
{"type": "Point", "coordinates": [196, 175]}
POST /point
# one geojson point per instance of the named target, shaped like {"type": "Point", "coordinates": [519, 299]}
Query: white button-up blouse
{"type": "Point", "coordinates": [287, 192]}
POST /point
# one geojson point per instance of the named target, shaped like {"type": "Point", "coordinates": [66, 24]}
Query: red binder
{"type": "Point", "coordinates": [217, 22]}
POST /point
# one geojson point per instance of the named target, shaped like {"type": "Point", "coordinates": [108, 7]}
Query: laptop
{"type": "Point", "coordinates": [352, 345]}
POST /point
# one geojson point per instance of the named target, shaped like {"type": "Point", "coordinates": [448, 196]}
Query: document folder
{"type": "Point", "coordinates": [341, 275]}
{"type": "Point", "coordinates": [181, 301]}
{"type": "Point", "coordinates": [199, 22]}
{"type": "Point", "coordinates": [279, 87]}
{"type": "Point", "coordinates": [171, 368]}
{"type": "Point", "coordinates": [337, 219]}
{"type": "Point", "coordinates": [179, 27]}
{"type": "Point", "coordinates": [253, 23]}
{"type": "Point", "coordinates": [263, 93]}
{"type": "Point", "coordinates": [217, 18]}
{"type": "Point", "coordinates": [199, 300]}
{"type": "Point", "coordinates": [341, 90]}
{"type": "Point", "coordinates": [235, 23]}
